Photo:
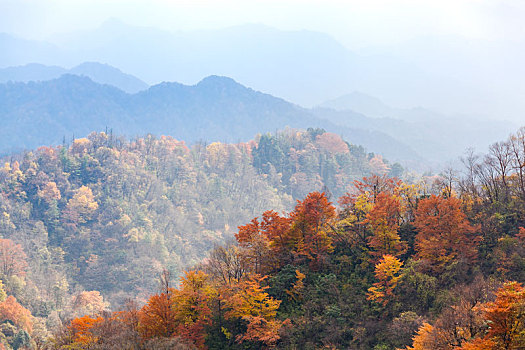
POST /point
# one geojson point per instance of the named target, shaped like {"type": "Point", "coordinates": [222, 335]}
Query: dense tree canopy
{"type": "Point", "coordinates": [429, 263]}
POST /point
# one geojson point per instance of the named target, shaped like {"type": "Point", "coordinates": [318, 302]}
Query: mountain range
{"type": "Point", "coordinates": [98, 72]}
{"type": "Point", "coordinates": [303, 67]}
{"type": "Point", "coordinates": [218, 108]}
{"type": "Point", "coordinates": [215, 109]}
{"type": "Point", "coordinates": [437, 136]}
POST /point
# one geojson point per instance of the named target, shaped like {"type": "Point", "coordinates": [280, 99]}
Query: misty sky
{"type": "Point", "coordinates": [451, 56]}
{"type": "Point", "coordinates": [355, 23]}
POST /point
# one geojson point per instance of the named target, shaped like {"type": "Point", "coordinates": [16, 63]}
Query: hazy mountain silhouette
{"type": "Point", "coordinates": [98, 72]}
{"type": "Point", "coordinates": [17, 51]}
{"type": "Point", "coordinates": [435, 136]}
{"type": "Point", "coordinates": [361, 103]}
{"type": "Point", "coordinates": [215, 109]}
{"type": "Point", "coordinates": [304, 67]}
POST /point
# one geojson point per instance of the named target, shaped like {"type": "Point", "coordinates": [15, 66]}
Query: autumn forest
{"type": "Point", "coordinates": [110, 243]}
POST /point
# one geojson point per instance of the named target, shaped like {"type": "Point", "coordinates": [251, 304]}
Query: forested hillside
{"type": "Point", "coordinates": [219, 109]}
{"type": "Point", "coordinates": [397, 266]}
{"type": "Point", "coordinates": [303, 66]}
{"type": "Point", "coordinates": [216, 109]}
{"type": "Point", "coordinates": [253, 175]}
{"type": "Point", "coordinates": [107, 215]}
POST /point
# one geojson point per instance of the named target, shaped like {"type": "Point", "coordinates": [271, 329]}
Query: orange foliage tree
{"type": "Point", "coordinates": [250, 302]}
{"type": "Point", "coordinates": [11, 310]}
{"type": "Point", "coordinates": [265, 240]}
{"type": "Point", "coordinates": [383, 220]}
{"type": "Point", "coordinates": [302, 235]}
{"type": "Point", "coordinates": [506, 316]}
{"type": "Point", "coordinates": [444, 233]}
{"type": "Point", "coordinates": [423, 338]}
{"type": "Point", "coordinates": [158, 318]}
{"type": "Point", "coordinates": [12, 258]}
{"type": "Point", "coordinates": [276, 229]}
{"type": "Point", "coordinates": [309, 227]}
{"type": "Point", "coordinates": [81, 330]}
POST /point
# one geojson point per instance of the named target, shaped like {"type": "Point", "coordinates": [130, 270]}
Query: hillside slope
{"type": "Point", "coordinates": [215, 109]}
{"type": "Point", "coordinates": [105, 206]}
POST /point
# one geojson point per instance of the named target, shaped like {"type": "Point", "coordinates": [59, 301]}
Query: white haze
{"type": "Point", "coordinates": [454, 57]}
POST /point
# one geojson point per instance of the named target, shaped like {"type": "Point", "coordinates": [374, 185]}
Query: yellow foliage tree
{"type": "Point", "coordinates": [81, 206]}
{"type": "Point", "coordinates": [423, 338]}
{"type": "Point", "coordinates": [191, 306]}
{"type": "Point", "coordinates": [387, 272]}
{"type": "Point", "coordinates": [250, 302]}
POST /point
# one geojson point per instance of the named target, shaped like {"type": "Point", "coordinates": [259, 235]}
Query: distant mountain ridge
{"type": "Point", "coordinates": [215, 109]}
{"type": "Point", "coordinates": [304, 67]}
{"type": "Point", "coordinates": [434, 135]}
{"type": "Point", "coordinates": [220, 109]}
{"type": "Point", "coordinates": [375, 108]}
{"type": "Point", "coordinates": [361, 103]}
{"type": "Point", "coordinates": [98, 72]}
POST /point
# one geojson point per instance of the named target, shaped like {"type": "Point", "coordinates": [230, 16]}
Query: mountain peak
{"type": "Point", "coordinates": [74, 78]}
{"type": "Point", "coordinates": [69, 81]}
{"type": "Point", "coordinates": [98, 72]}
{"type": "Point", "coordinates": [106, 74]}
{"type": "Point", "coordinates": [221, 84]}
{"type": "Point", "coordinates": [95, 64]}
{"type": "Point", "coordinates": [218, 80]}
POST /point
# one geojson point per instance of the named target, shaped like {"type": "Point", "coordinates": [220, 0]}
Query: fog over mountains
{"type": "Point", "coordinates": [447, 74]}
{"type": "Point", "coordinates": [308, 79]}
{"type": "Point", "coordinates": [215, 109]}
{"type": "Point", "coordinates": [100, 73]}
{"type": "Point", "coordinates": [221, 109]}
{"type": "Point", "coordinates": [437, 136]}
